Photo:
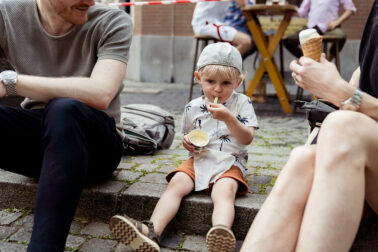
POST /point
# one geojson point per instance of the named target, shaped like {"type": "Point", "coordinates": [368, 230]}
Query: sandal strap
{"type": "Point", "coordinates": [151, 231]}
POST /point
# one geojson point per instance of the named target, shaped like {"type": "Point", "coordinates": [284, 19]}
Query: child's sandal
{"type": "Point", "coordinates": [129, 232]}
{"type": "Point", "coordinates": [220, 239]}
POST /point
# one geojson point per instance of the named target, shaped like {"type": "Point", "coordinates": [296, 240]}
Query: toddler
{"type": "Point", "coordinates": [230, 121]}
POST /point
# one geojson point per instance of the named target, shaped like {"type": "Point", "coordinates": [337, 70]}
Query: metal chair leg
{"type": "Point", "coordinates": [194, 68]}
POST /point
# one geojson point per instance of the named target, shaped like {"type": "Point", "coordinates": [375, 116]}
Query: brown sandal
{"type": "Point", "coordinates": [220, 239]}
{"type": "Point", "coordinates": [129, 232]}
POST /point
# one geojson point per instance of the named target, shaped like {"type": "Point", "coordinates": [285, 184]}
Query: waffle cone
{"type": "Point", "coordinates": [312, 48]}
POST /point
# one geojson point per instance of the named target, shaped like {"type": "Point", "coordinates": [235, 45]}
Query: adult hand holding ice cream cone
{"type": "Point", "coordinates": [319, 78]}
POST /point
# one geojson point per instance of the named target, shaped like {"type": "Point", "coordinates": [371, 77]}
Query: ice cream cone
{"type": "Point", "coordinates": [312, 48]}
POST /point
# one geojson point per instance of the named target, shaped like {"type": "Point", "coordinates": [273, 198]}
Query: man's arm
{"type": "Point", "coordinates": [96, 91]}
{"type": "Point", "coordinates": [303, 10]}
{"type": "Point", "coordinates": [323, 80]}
{"type": "Point", "coordinates": [333, 24]}
{"type": "Point", "coordinates": [355, 79]}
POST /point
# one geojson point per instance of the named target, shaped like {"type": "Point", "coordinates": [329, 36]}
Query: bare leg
{"type": "Point", "coordinates": [242, 42]}
{"type": "Point", "coordinates": [347, 144]}
{"type": "Point", "coordinates": [166, 208]}
{"type": "Point", "coordinates": [223, 196]}
{"type": "Point", "coordinates": [277, 224]}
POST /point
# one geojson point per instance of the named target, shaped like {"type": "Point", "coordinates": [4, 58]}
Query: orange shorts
{"type": "Point", "coordinates": [234, 172]}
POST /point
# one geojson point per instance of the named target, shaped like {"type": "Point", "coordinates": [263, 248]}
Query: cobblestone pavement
{"type": "Point", "coordinates": [268, 153]}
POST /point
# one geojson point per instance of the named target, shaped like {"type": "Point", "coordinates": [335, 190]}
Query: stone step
{"type": "Point", "coordinates": [137, 201]}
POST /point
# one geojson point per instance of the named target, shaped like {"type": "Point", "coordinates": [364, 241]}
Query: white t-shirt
{"type": "Point", "coordinates": [223, 149]}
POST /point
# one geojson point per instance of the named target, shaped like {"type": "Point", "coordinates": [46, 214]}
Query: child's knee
{"type": "Point", "coordinates": [181, 183]}
{"type": "Point", "coordinates": [225, 189]}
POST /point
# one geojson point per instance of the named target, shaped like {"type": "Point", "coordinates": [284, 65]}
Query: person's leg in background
{"type": "Point", "coordinates": [80, 145]}
{"type": "Point", "coordinates": [291, 43]}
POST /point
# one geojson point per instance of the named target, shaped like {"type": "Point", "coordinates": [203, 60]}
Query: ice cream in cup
{"type": "Point", "coordinates": [199, 139]}
{"type": "Point", "coordinates": [311, 43]}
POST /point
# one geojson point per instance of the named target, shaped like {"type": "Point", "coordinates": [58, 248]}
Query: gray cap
{"type": "Point", "coordinates": [220, 53]}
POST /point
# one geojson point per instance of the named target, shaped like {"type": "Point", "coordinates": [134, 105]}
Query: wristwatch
{"type": "Point", "coordinates": [353, 102]}
{"type": "Point", "coordinates": [9, 79]}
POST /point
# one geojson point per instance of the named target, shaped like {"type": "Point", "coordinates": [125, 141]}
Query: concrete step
{"type": "Point", "coordinates": [137, 201]}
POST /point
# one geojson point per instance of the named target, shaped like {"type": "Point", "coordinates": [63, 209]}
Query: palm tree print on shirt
{"type": "Point", "coordinates": [198, 122]}
{"type": "Point", "coordinates": [203, 108]}
{"type": "Point", "coordinates": [188, 107]}
{"type": "Point", "coordinates": [225, 139]}
{"type": "Point", "coordinates": [243, 120]}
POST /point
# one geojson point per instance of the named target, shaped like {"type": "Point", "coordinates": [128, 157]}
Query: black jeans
{"type": "Point", "coordinates": [67, 145]}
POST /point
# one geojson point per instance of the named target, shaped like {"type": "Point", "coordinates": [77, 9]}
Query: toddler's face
{"type": "Point", "coordinates": [214, 85]}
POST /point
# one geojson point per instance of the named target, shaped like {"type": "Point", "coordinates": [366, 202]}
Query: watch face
{"type": "Point", "coordinates": [8, 75]}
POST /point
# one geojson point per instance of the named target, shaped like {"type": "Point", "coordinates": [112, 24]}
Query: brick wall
{"type": "Point", "coordinates": [164, 19]}
{"type": "Point", "coordinates": [158, 20]}
{"type": "Point", "coordinates": [355, 24]}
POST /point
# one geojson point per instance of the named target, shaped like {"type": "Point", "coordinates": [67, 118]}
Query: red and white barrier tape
{"type": "Point", "coordinates": [162, 2]}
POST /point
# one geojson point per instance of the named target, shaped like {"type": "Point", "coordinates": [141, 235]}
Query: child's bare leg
{"type": "Point", "coordinates": [166, 208]}
{"type": "Point", "coordinates": [223, 197]}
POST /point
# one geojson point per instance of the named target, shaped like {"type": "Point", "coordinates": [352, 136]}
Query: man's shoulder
{"type": "Point", "coordinates": [101, 11]}
{"type": "Point", "coordinates": [11, 5]}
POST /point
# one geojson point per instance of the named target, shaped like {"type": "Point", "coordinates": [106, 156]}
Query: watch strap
{"type": "Point", "coordinates": [11, 89]}
{"type": "Point", "coordinates": [354, 100]}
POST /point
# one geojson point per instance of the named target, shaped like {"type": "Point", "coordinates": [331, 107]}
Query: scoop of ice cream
{"type": "Point", "coordinates": [307, 34]}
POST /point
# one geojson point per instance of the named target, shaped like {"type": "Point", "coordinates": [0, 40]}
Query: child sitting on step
{"type": "Point", "coordinates": [229, 120]}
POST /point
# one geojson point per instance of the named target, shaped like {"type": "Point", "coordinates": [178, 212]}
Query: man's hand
{"type": "Point", "coordinates": [332, 25]}
{"type": "Point", "coordinates": [187, 144]}
{"type": "Point", "coordinates": [219, 112]}
{"type": "Point", "coordinates": [320, 78]}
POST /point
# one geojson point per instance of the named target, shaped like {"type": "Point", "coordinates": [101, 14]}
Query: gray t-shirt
{"type": "Point", "coordinates": [32, 51]}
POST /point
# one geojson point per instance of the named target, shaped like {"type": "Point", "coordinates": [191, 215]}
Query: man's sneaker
{"type": "Point", "coordinates": [220, 239]}
{"type": "Point", "coordinates": [129, 232]}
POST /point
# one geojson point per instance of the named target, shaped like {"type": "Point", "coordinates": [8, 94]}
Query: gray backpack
{"type": "Point", "coordinates": [146, 128]}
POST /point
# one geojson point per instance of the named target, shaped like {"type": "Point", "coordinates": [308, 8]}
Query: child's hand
{"type": "Point", "coordinates": [187, 144]}
{"type": "Point", "coordinates": [219, 112]}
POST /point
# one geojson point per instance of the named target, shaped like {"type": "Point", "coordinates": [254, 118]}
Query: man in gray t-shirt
{"type": "Point", "coordinates": [70, 59]}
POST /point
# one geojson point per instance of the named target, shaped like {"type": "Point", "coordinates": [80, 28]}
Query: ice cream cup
{"type": "Point", "coordinates": [199, 139]}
